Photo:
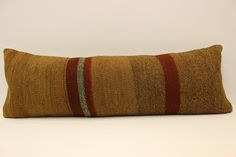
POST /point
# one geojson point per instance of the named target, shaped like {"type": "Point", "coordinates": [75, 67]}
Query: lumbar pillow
{"type": "Point", "coordinates": [176, 83]}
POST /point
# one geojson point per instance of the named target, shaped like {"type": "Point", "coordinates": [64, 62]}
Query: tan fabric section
{"type": "Point", "coordinates": [200, 81]}
{"type": "Point", "coordinates": [113, 87]}
{"type": "Point", "coordinates": [149, 84]}
{"type": "Point", "coordinates": [36, 85]}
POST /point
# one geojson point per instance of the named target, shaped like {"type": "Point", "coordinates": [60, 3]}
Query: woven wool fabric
{"type": "Point", "coordinates": [175, 83]}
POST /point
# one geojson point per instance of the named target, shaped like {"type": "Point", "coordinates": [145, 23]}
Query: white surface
{"type": "Point", "coordinates": [119, 27]}
{"type": "Point", "coordinates": [150, 136]}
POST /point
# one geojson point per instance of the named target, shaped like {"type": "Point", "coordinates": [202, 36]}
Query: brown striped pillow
{"type": "Point", "coordinates": [176, 83]}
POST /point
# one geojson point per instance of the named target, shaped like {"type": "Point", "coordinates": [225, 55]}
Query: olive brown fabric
{"type": "Point", "coordinates": [174, 83]}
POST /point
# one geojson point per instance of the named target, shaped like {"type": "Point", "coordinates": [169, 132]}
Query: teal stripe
{"type": "Point", "coordinates": [80, 84]}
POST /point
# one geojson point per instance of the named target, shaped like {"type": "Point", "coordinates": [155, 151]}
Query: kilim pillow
{"type": "Point", "coordinates": [175, 83]}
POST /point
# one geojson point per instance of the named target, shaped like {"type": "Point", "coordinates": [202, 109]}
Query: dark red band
{"type": "Point", "coordinates": [88, 85]}
{"type": "Point", "coordinates": [172, 85]}
{"type": "Point", "coordinates": [72, 88]}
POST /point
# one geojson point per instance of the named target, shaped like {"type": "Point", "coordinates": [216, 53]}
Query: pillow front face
{"type": "Point", "coordinates": [175, 83]}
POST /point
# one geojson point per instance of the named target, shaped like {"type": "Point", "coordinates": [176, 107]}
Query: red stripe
{"type": "Point", "coordinates": [88, 86]}
{"type": "Point", "coordinates": [172, 86]}
{"type": "Point", "coordinates": [72, 88]}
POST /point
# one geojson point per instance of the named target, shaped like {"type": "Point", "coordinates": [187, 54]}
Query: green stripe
{"type": "Point", "coordinates": [80, 83]}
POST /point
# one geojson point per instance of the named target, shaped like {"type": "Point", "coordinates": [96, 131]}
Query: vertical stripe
{"type": "Point", "coordinates": [72, 88]}
{"type": "Point", "coordinates": [80, 83]}
{"type": "Point", "coordinates": [172, 85]}
{"type": "Point", "coordinates": [88, 85]}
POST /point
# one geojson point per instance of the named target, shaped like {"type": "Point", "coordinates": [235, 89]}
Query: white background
{"type": "Point", "coordinates": [119, 27]}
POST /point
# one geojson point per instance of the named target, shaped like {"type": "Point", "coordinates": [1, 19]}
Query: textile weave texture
{"type": "Point", "coordinates": [174, 83]}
